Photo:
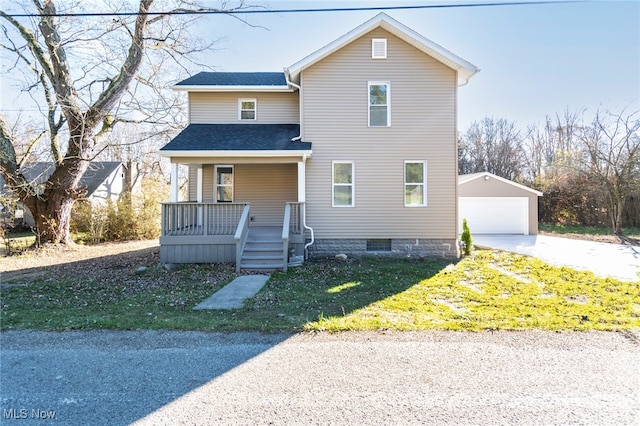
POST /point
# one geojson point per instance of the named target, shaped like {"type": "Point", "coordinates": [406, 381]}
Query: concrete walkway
{"type": "Point", "coordinates": [603, 259]}
{"type": "Point", "coordinates": [233, 295]}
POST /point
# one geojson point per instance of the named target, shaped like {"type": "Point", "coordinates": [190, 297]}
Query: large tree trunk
{"type": "Point", "coordinates": [52, 219]}
{"type": "Point", "coordinates": [51, 210]}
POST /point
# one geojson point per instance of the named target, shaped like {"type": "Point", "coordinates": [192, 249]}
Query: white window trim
{"type": "Point", "coordinates": [352, 184]}
{"type": "Point", "coordinates": [379, 83]}
{"type": "Point", "coordinates": [424, 183]}
{"type": "Point", "coordinates": [255, 109]}
{"type": "Point", "coordinates": [216, 185]}
{"type": "Point", "coordinates": [375, 41]}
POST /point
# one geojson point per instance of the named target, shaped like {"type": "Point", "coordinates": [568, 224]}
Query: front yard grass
{"type": "Point", "coordinates": [487, 291]}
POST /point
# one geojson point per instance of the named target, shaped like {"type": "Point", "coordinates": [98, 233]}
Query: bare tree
{"type": "Point", "coordinates": [553, 149]}
{"type": "Point", "coordinates": [85, 75]}
{"type": "Point", "coordinates": [612, 158]}
{"type": "Point", "coordinates": [492, 145]}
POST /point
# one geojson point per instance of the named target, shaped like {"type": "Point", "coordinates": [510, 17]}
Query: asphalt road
{"type": "Point", "coordinates": [156, 377]}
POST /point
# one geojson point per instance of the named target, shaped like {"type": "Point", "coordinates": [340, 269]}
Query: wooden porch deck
{"type": "Point", "coordinates": [222, 233]}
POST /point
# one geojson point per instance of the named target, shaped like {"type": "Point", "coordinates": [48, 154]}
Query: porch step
{"type": "Point", "coordinates": [263, 249]}
{"type": "Point", "coordinates": [266, 246]}
{"type": "Point", "coordinates": [262, 267]}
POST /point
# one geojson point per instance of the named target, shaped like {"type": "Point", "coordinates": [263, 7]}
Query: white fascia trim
{"type": "Point", "coordinates": [257, 153]}
{"type": "Point", "coordinates": [465, 69]}
{"type": "Point", "coordinates": [482, 175]}
{"type": "Point", "coordinates": [202, 88]}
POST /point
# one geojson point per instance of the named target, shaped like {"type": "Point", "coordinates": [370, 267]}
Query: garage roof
{"type": "Point", "coordinates": [462, 179]}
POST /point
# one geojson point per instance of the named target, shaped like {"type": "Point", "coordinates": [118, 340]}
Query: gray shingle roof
{"type": "Point", "coordinates": [39, 171]}
{"type": "Point", "coordinates": [97, 173]}
{"type": "Point", "coordinates": [235, 79]}
{"type": "Point", "coordinates": [237, 137]}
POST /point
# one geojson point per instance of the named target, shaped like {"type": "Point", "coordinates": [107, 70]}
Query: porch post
{"type": "Point", "coordinates": [174, 183]}
{"type": "Point", "coordinates": [302, 195]}
{"type": "Point", "coordinates": [199, 196]}
{"type": "Point", "coordinates": [199, 184]}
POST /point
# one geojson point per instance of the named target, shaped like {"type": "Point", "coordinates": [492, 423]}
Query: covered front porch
{"type": "Point", "coordinates": [199, 232]}
{"type": "Point", "coordinates": [244, 205]}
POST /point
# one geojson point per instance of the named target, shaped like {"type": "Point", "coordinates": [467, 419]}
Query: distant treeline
{"type": "Point", "coordinates": [589, 171]}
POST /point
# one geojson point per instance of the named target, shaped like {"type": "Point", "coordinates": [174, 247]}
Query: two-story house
{"type": "Point", "coordinates": [352, 149]}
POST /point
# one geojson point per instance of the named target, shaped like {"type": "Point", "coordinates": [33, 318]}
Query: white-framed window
{"type": "Point", "coordinates": [378, 48]}
{"type": "Point", "coordinates": [247, 109]}
{"type": "Point", "coordinates": [342, 184]}
{"type": "Point", "coordinates": [379, 103]}
{"type": "Point", "coordinates": [224, 184]}
{"type": "Point", "coordinates": [415, 183]}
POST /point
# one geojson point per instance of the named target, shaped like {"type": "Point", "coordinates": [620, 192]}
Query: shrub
{"type": "Point", "coordinates": [466, 238]}
{"type": "Point", "coordinates": [88, 222]}
{"type": "Point", "coordinates": [154, 192]}
{"type": "Point", "coordinates": [131, 218]}
{"type": "Point", "coordinates": [122, 222]}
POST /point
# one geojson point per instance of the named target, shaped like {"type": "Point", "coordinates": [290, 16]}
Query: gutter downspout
{"type": "Point", "coordinates": [310, 229]}
{"type": "Point", "coordinates": [304, 160]}
{"type": "Point", "coordinates": [290, 83]}
{"type": "Point", "coordinates": [304, 220]}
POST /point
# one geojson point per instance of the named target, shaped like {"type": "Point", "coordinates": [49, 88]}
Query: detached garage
{"type": "Point", "coordinates": [494, 205]}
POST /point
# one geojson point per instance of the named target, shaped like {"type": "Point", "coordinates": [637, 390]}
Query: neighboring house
{"type": "Point", "coordinates": [494, 205]}
{"type": "Point", "coordinates": [350, 150]}
{"type": "Point", "coordinates": [104, 180]}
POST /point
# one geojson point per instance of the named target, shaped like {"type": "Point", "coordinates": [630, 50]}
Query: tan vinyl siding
{"type": "Point", "coordinates": [423, 127]}
{"type": "Point", "coordinates": [193, 184]}
{"type": "Point", "coordinates": [268, 187]}
{"type": "Point", "coordinates": [207, 183]}
{"type": "Point", "coordinates": [216, 108]}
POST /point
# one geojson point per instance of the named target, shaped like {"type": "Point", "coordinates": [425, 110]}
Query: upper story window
{"type": "Point", "coordinates": [342, 184]}
{"type": "Point", "coordinates": [415, 183]}
{"type": "Point", "coordinates": [379, 100]}
{"type": "Point", "coordinates": [379, 48]}
{"type": "Point", "coordinates": [247, 109]}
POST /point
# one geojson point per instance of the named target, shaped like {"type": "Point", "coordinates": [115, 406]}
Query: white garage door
{"type": "Point", "coordinates": [494, 215]}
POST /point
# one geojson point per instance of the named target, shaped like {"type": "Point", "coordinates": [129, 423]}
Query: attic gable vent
{"type": "Point", "coordinates": [379, 48]}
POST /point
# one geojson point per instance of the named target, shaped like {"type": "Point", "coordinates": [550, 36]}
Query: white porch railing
{"type": "Point", "coordinates": [192, 219]}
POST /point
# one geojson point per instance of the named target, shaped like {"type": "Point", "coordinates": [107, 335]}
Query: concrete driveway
{"type": "Point", "coordinates": [604, 259]}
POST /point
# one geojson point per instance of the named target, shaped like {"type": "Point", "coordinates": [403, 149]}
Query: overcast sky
{"type": "Point", "coordinates": [535, 60]}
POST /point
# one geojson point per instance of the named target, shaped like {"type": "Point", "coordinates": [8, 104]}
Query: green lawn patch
{"type": "Point", "coordinates": [489, 290]}
{"type": "Point", "coordinates": [496, 290]}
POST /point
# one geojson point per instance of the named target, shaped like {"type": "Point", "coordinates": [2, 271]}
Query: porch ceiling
{"type": "Point", "coordinates": [237, 140]}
